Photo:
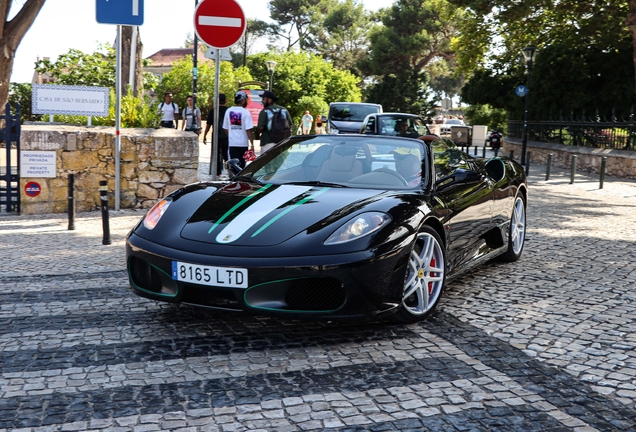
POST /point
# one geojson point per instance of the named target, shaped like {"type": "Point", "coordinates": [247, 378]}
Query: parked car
{"type": "Point", "coordinates": [445, 128]}
{"type": "Point", "coordinates": [347, 117]}
{"type": "Point", "coordinates": [394, 124]}
{"type": "Point", "coordinates": [331, 226]}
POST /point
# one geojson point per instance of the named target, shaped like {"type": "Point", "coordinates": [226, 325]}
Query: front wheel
{"type": "Point", "coordinates": [516, 232]}
{"type": "Point", "coordinates": [425, 277]}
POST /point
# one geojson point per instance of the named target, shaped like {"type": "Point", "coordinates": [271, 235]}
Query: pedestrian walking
{"type": "Point", "coordinates": [320, 124]}
{"type": "Point", "coordinates": [238, 125]}
{"type": "Point", "coordinates": [307, 122]}
{"type": "Point", "coordinates": [222, 140]}
{"type": "Point", "coordinates": [191, 117]}
{"type": "Point", "coordinates": [170, 112]}
{"type": "Point", "coordinates": [274, 122]}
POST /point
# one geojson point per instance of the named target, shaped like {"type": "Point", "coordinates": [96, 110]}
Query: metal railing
{"type": "Point", "coordinates": [619, 135]}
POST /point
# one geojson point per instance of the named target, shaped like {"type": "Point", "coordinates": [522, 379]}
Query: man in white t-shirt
{"type": "Point", "coordinates": [238, 126]}
{"type": "Point", "coordinates": [170, 112]}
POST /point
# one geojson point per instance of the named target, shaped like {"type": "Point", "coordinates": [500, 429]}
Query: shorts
{"type": "Point", "coordinates": [167, 124]}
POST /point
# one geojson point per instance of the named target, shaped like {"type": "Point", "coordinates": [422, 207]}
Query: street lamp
{"type": "Point", "coordinates": [529, 53]}
{"type": "Point", "coordinates": [271, 66]}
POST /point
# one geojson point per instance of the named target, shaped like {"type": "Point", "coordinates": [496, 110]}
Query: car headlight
{"type": "Point", "coordinates": [333, 130]}
{"type": "Point", "coordinates": [152, 217]}
{"type": "Point", "coordinates": [360, 226]}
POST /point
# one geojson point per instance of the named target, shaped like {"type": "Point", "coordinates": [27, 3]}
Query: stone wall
{"type": "Point", "coordinates": [153, 163]}
{"type": "Point", "coordinates": [620, 163]}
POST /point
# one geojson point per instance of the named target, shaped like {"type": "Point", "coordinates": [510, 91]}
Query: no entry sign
{"type": "Point", "coordinates": [219, 23]}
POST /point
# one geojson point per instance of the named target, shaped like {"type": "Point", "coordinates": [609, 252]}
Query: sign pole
{"type": "Point", "coordinates": [117, 116]}
{"type": "Point", "coordinates": [214, 157]}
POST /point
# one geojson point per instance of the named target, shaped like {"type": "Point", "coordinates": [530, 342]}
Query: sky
{"type": "Point", "coordinates": [65, 24]}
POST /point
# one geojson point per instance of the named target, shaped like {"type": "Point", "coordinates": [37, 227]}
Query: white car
{"type": "Point", "coordinates": [445, 128]}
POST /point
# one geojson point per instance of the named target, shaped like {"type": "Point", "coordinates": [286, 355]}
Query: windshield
{"type": "Point", "coordinates": [353, 112]}
{"type": "Point", "coordinates": [396, 125]}
{"type": "Point", "coordinates": [373, 162]}
{"type": "Point", "coordinates": [455, 122]}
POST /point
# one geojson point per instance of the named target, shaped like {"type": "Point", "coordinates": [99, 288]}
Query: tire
{"type": "Point", "coordinates": [425, 277]}
{"type": "Point", "coordinates": [516, 231]}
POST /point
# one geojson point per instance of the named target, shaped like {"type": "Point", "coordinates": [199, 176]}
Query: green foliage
{"type": "Point", "coordinates": [444, 81]}
{"type": "Point", "coordinates": [494, 118]}
{"type": "Point", "coordinates": [20, 93]}
{"type": "Point", "coordinates": [342, 38]}
{"type": "Point", "coordinates": [401, 91]}
{"type": "Point", "coordinates": [497, 30]}
{"type": "Point", "coordinates": [300, 75]}
{"type": "Point", "coordinates": [81, 69]}
{"type": "Point", "coordinates": [179, 82]}
{"type": "Point", "coordinates": [413, 32]}
{"type": "Point", "coordinates": [314, 104]}
{"type": "Point", "coordinates": [301, 16]}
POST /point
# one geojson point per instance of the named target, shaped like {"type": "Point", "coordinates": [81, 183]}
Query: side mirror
{"type": "Point", "coordinates": [233, 167]}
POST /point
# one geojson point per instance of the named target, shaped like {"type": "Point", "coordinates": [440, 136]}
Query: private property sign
{"type": "Point", "coordinates": [71, 100]}
{"type": "Point", "coordinates": [37, 164]}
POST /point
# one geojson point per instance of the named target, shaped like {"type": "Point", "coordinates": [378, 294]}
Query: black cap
{"type": "Point", "coordinates": [270, 95]}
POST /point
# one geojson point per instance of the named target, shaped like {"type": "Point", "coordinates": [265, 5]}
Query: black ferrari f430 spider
{"type": "Point", "coordinates": [332, 226]}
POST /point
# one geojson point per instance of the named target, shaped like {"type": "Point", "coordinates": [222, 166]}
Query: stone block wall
{"type": "Point", "coordinates": [153, 163]}
{"type": "Point", "coordinates": [620, 163]}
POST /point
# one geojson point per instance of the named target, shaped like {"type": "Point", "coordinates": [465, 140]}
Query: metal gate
{"type": "Point", "coordinates": [10, 160]}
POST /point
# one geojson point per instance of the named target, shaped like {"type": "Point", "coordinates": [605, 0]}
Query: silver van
{"type": "Point", "coordinates": [347, 117]}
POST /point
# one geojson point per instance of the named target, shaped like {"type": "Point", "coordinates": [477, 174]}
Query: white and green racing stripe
{"type": "Point", "coordinates": [259, 210]}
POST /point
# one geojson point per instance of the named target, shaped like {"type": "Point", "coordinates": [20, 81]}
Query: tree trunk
{"type": "Point", "coordinates": [126, 36]}
{"type": "Point", "coordinates": [631, 24]}
{"type": "Point", "coordinates": [11, 34]}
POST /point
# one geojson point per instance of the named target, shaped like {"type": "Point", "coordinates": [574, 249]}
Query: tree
{"type": "Point", "coordinates": [126, 48]}
{"type": "Point", "coordinates": [414, 32]}
{"type": "Point", "coordinates": [342, 37]}
{"type": "Point", "coordinates": [11, 33]}
{"type": "Point", "coordinates": [179, 82]}
{"type": "Point", "coordinates": [583, 49]}
{"type": "Point", "coordinates": [404, 90]}
{"type": "Point", "coordinates": [78, 68]}
{"type": "Point", "coordinates": [254, 30]}
{"type": "Point", "coordinates": [296, 18]}
{"type": "Point", "coordinates": [305, 81]}
{"type": "Point", "coordinates": [444, 79]}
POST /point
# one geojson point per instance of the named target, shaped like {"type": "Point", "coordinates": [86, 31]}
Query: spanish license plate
{"type": "Point", "coordinates": [229, 277]}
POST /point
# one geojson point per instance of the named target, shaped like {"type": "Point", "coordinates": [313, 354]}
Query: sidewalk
{"type": "Point", "coordinates": [37, 245]}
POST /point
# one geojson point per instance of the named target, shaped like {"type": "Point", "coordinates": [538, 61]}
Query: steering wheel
{"type": "Point", "coordinates": [394, 174]}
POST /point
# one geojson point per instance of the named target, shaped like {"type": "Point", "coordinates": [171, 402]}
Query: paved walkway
{"type": "Point", "coordinates": [547, 343]}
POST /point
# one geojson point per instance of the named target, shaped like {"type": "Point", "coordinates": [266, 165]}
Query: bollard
{"type": "Point", "coordinates": [603, 167]}
{"type": "Point", "coordinates": [103, 197]}
{"type": "Point", "coordinates": [475, 150]}
{"type": "Point", "coordinates": [71, 202]}
{"type": "Point", "coordinates": [483, 152]}
{"type": "Point", "coordinates": [573, 168]}
{"type": "Point", "coordinates": [527, 163]}
{"type": "Point", "coordinates": [512, 154]}
{"type": "Point", "coordinates": [549, 167]}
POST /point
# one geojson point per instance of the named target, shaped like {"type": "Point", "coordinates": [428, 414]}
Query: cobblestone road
{"type": "Point", "coordinates": [545, 344]}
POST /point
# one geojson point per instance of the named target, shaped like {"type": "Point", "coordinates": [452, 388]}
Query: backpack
{"type": "Point", "coordinates": [280, 128]}
{"type": "Point", "coordinates": [173, 106]}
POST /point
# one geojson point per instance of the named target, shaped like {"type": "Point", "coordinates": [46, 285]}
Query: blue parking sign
{"type": "Point", "coordinates": [521, 90]}
{"type": "Point", "coordinates": [121, 12]}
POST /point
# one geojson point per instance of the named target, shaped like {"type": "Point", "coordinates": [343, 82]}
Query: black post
{"type": "Point", "coordinates": [549, 167]}
{"type": "Point", "coordinates": [512, 154]}
{"type": "Point", "coordinates": [103, 197]}
{"type": "Point", "coordinates": [475, 150]}
{"type": "Point", "coordinates": [483, 152]}
{"type": "Point", "coordinates": [524, 141]}
{"type": "Point", "coordinates": [71, 202]}
{"type": "Point", "coordinates": [528, 165]}
{"type": "Point", "coordinates": [573, 168]}
{"type": "Point", "coordinates": [603, 167]}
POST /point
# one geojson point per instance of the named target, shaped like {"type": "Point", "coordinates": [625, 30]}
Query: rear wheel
{"type": "Point", "coordinates": [517, 231]}
{"type": "Point", "coordinates": [425, 277]}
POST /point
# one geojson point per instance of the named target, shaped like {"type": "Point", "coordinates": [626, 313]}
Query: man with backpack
{"type": "Point", "coordinates": [274, 122]}
{"type": "Point", "coordinates": [170, 112]}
